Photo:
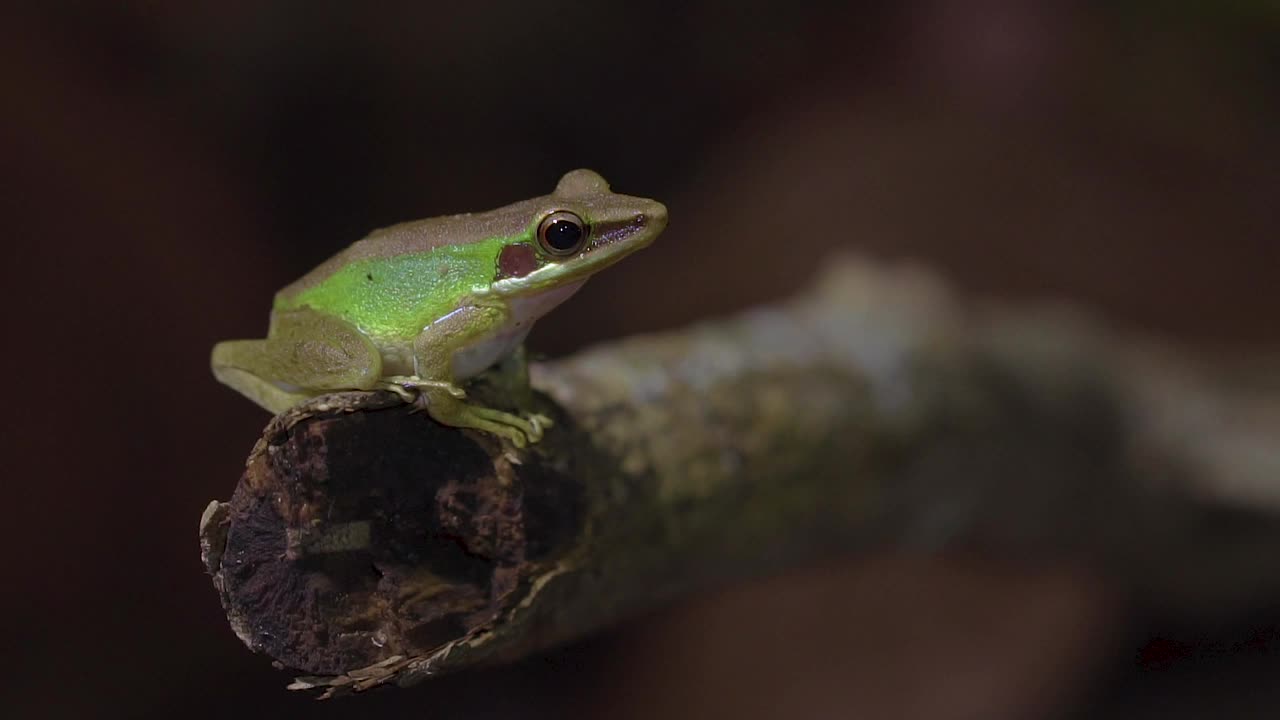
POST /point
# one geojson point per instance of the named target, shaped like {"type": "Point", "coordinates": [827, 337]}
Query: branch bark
{"type": "Point", "coordinates": [365, 544]}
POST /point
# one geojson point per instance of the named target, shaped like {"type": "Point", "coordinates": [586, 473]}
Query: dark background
{"type": "Point", "coordinates": [168, 165]}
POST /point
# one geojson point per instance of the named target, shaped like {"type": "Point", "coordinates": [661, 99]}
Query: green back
{"type": "Point", "coordinates": [397, 297]}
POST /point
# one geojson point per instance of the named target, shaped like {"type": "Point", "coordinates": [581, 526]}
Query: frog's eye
{"type": "Point", "coordinates": [562, 233]}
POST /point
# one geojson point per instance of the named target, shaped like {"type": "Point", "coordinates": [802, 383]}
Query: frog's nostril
{"type": "Point", "coordinates": [640, 220]}
{"type": "Point", "coordinates": [655, 215]}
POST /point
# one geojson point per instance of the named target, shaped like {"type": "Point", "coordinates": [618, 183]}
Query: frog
{"type": "Point", "coordinates": [420, 308]}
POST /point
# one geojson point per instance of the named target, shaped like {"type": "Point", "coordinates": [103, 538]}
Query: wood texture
{"type": "Point", "coordinates": [365, 544]}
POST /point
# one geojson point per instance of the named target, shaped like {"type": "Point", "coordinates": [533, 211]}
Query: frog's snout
{"type": "Point", "coordinates": [636, 225]}
{"type": "Point", "coordinates": [652, 218]}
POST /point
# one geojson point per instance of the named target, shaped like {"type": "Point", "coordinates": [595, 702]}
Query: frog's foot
{"type": "Point", "coordinates": [408, 387]}
{"type": "Point", "coordinates": [445, 408]}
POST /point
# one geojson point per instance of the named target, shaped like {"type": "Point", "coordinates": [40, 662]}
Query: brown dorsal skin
{"type": "Point", "coordinates": [581, 191]}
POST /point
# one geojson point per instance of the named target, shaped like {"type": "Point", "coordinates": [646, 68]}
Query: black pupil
{"type": "Point", "coordinates": [563, 235]}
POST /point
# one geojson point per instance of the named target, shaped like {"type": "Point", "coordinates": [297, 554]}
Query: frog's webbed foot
{"type": "Point", "coordinates": [409, 387]}
{"type": "Point", "coordinates": [445, 408]}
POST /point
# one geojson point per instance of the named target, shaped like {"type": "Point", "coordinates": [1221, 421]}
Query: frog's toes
{"type": "Point", "coordinates": [405, 393]}
{"type": "Point", "coordinates": [538, 424]}
{"type": "Point", "coordinates": [411, 383]}
{"type": "Point", "coordinates": [516, 435]}
{"type": "Point", "coordinates": [408, 396]}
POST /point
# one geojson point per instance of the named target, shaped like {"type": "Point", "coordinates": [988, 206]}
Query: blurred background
{"type": "Point", "coordinates": [169, 165]}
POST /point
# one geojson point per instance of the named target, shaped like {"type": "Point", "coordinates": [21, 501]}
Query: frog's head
{"type": "Point", "coordinates": [574, 232]}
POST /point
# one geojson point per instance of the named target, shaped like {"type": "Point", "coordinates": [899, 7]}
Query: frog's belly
{"type": "Point", "coordinates": [482, 353]}
{"type": "Point", "coordinates": [480, 356]}
{"type": "Point", "coordinates": [471, 360]}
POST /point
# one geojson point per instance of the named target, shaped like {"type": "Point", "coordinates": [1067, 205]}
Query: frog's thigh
{"type": "Point", "coordinates": [315, 351]}
{"type": "Point", "coordinates": [305, 354]}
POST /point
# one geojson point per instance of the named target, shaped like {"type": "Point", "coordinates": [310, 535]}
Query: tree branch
{"type": "Point", "coordinates": [365, 544]}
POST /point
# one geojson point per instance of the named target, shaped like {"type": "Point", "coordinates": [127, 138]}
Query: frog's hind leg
{"type": "Point", "coordinates": [230, 360]}
{"type": "Point", "coordinates": [305, 354]}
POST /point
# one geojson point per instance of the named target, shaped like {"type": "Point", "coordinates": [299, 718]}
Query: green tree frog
{"type": "Point", "coordinates": [420, 307]}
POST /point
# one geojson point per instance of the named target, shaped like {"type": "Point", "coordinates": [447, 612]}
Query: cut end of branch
{"type": "Point", "coordinates": [360, 539]}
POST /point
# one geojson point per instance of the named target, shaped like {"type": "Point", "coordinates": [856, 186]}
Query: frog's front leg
{"type": "Point", "coordinates": [434, 350]}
